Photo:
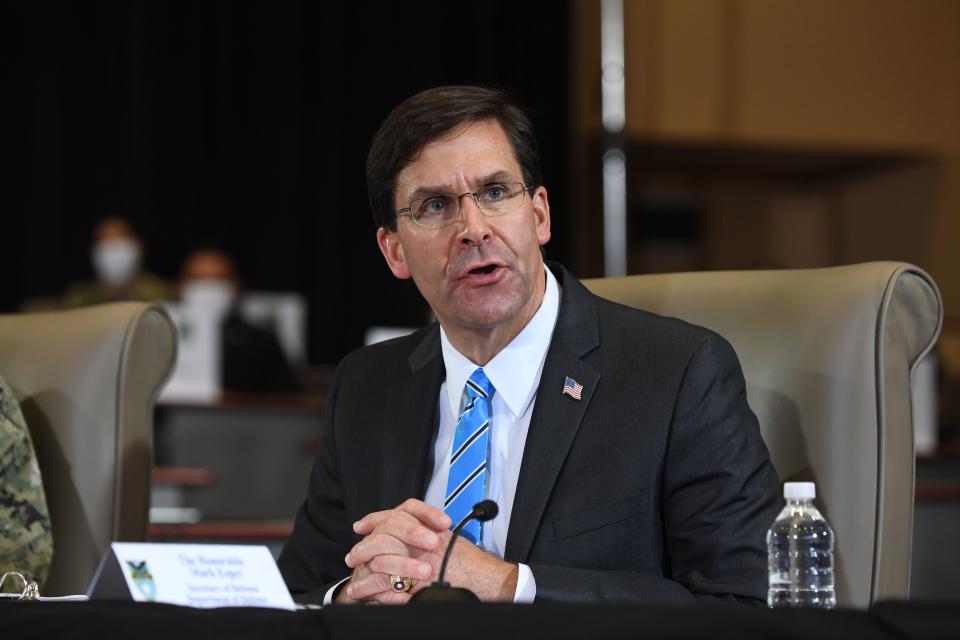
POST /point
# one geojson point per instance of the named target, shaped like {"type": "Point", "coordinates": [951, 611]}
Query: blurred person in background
{"type": "Point", "coordinates": [117, 255]}
{"type": "Point", "coordinates": [252, 360]}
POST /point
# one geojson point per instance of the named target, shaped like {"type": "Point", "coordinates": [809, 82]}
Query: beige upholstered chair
{"type": "Point", "coordinates": [827, 355]}
{"type": "Point", "coordinates": [86, 380]}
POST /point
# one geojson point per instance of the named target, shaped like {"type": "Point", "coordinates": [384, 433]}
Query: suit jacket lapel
{"type": "Point", "coordinates": [411, 410]}
{"type": "Point", "coordinates": [556, 416]}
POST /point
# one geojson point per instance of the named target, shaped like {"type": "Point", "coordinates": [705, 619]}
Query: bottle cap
{"type": "Point", "coordinates": [799, 490]}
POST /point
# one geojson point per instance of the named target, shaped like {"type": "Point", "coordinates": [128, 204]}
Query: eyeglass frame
{"type": "Point", "coordinates": [30, 589]}
{"type": "Point", "coordinates": [408, 211]}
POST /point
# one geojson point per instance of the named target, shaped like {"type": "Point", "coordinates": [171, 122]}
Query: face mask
{"type": "Point", "coordinates": [116, 261]}
{"type": "Point", "coordinates": [211, 294]}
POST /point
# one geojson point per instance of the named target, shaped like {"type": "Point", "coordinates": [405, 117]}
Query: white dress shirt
{"type": "Point", "coordinates": [515, 374]}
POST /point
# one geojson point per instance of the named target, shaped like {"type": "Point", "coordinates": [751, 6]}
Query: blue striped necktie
{"type": "Point", "coordinates": [466, 484]}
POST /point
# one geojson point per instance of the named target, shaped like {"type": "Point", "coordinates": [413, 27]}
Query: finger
{"type": "Point", "coordinates": [427, 514]}
{"type": "Point", "coordinates": [341, 593]}
{"type": "Point", "coordinates": [372, 558]}
{"type": "Point", "coordinates": [367, 523]}
{"type": "Point", "coordinates": [369, 586]}
{"type": "Point", "coordinates": [401, 566]}
{"type": "Point", "coordinates": [405, 528]}
{"type": "Point", "coordinates": [372, 546]}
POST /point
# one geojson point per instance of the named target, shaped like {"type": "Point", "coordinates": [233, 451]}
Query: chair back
{"type": "Point", "coordinates": [828, 356]}
{"type": "Point", "coordinates": [86, 380]}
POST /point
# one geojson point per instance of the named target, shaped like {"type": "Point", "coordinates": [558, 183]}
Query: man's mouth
{"type": "Point", "coordinates": [483, 273]}
{"type": "Point", "coordinates": [484, 270]}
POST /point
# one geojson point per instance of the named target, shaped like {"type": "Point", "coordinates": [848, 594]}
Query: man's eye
{"type": "Point", "coordinates": [434, 207]}
{"type": "Point", "coordinates": [493, 193]}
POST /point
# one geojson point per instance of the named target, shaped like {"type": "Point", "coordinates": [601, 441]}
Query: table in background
{"type": "Point", "coordinates": [239, 467]}
{"type": "Point", "coordinates": [935, 565]}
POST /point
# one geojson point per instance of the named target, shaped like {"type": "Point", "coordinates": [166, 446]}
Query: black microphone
{"type": "Point", "coordinates": [441, 591]}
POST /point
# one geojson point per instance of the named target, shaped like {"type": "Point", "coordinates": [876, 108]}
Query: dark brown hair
{"type": "Point", "coordinates": [429, 115]}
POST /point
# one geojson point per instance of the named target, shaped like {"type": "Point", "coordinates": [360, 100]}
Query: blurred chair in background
{"type": "Point", "coordinates": [828, 356]}
{"type": "Point", "coordinates": [86, 380]}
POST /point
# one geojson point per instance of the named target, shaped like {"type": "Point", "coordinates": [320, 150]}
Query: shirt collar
{"type": "Point", "coordinates": [515, 370]}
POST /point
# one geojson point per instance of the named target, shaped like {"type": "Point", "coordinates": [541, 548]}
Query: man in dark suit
{"type": "Point", "coordinates": [618, 444]}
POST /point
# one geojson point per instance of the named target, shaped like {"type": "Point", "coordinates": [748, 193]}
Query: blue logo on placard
{"type": "Point", "coordinates": [143, 579]}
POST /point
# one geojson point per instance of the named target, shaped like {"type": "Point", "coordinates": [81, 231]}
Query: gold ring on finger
{"type": "Point", "coordinates": [401, 584]}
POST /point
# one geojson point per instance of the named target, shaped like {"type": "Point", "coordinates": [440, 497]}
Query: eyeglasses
{"type": "Point", "coordinates": [30, 590]}
{"type": "Point", "coordinates": [441, 209]}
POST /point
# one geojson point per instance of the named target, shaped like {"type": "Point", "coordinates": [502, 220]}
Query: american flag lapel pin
{"type": "Point", "coordinates": [572, 388]}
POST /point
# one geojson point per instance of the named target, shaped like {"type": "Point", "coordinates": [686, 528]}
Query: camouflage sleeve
{"type": "Point", "coordinates": [26, 540]}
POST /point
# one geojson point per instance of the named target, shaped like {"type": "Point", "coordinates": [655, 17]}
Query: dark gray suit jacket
{"type": "Point", "coordinates": [654, 487]}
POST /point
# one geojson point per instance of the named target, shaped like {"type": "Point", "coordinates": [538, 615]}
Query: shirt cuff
{"type": "Point", "coordinates": [328, 596]}
{"type": "Point", "coordinates": [526, 591]}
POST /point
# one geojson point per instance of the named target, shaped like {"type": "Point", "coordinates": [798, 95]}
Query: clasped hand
{"type": "Point", "coordinates": [410, 540]}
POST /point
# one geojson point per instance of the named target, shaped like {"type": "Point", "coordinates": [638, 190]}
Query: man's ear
{"type": "Point", "coordinates": [392, 250]}
{"type": "Point", "coordinates": [541, 212]}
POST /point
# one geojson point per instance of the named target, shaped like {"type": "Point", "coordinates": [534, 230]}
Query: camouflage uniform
{"type": "Point", "coordinates": [26, 541]}
{"type": "Point", "coordinates": [146, 288]}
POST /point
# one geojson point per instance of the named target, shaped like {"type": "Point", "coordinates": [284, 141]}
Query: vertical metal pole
{"type": "Point", "coordinates": [614, 115]}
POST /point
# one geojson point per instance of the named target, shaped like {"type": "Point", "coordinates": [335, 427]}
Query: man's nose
{"type": "Point", "coordinates": [475, 227]}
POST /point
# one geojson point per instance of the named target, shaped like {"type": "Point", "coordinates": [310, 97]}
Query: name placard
{"type": "Point", "coordinates": [192, 575]}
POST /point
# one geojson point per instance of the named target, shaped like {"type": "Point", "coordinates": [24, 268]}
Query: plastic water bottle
{"type": "Point", "coordinates": [800, 553]}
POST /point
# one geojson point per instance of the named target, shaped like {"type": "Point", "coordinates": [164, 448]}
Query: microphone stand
{"type": "Point", "coordinates": [441, 591]}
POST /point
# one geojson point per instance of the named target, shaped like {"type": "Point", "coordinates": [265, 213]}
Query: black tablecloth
{"type": "Point", "coordinates": [489, 622]}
